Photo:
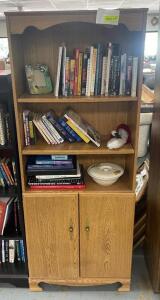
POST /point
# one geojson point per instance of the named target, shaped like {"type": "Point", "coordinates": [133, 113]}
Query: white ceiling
{"type": "Point", "coordinates": [31, 5]}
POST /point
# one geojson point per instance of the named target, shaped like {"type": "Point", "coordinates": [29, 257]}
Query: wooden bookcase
{"type": "Point", "coordinates": [16, 273]}
{"type": "Point", "coordinates": [78, 238]}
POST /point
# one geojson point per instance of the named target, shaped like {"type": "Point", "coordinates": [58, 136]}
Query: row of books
{"type": "Point", "coordinates": [55, 130]}
{"type": "Point", "coordinates": [7, 172]}
{"type": "Point", "coordinates": [5, 137]}
{"type": "Point", "coordinates": [99, 70]}
{"type": "Point", "coordinates": [9, 216]}
{"type": "Point", "coordinates": [54, 172]}
{"type": "Point", "coordinates": [12, 251]}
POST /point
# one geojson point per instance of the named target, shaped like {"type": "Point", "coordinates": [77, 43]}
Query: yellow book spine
{"type": "Point", "coordinates": [80, 73]}
{"type": "Point", "coordinates": [78, 131]}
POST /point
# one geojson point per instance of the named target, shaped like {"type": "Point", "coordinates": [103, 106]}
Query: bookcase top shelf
{"type": "Point", "coordinates": [74, 148]}
{"type": "Point", "coordinates": [18, 22]}
{"type": "Point", "coordinates": [26, 98]}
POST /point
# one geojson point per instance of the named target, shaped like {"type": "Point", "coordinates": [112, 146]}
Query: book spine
{"type": "Point", "coordinates": [79, 73]}
{"type": "Point", "coordinates": [9, 174]}
{"type": "Point", "coordinates": [90, 71]}
{"type": "Point", "coordinates": [93, 76]}
{"type": "Point", "coordinates": [76, 71]}
{"type": "Point", "coordinates": [11, 251]}
{"type": "Point", "coordinates": [2, 180]}
{"type": "Point", "coordinates": [58, 187]}
{"type": "Point", "coordinates": [72, 74]}
{"type": "Point", "coordinates": [84, 74]}
{"type": "Point", "coordinates": [63, 71]}
{"type": "Point", "coordinates": [69, 130]}
{"type": "Point", "coordinates": [108, 68]}
{"type": "Point", "coordinates": [56, 92]}
{"type": "Point", "coordinates": [62, 131]}
{"type": "Point", "coordinates": [6, 249]}
{"type": "Point", "coordinates": [52, 130]}
{"type": "Point", "coordinates": [17, 249]}
{"type": "Point", "coordinates": [22, 254]}
{"type": "Point", "coordinates": [103, 82]}
{"type": "Point", "coordinates": [114, 76]}
{"type": "Point", "coordinates": [134, 77]}
{"type": "Point", "coordinates": [3, 251]}
{"type": "Point", "coordinates": [27, 141]}
{"type": "Point", "coordinates": [123, 74]}
{"type": "Point", "coordinates": [2, 128]}
{"type": "Point", "coordinates": [88, 74]}
{"type": "Point", "coordinates": [14, 171]}
{"type": "Point", "coordinates": [8, 137]}
{"type": "Point", "coordinates": [27, 127]}
{"type": "Point", "coordinates": [129, 75]}
{"type": "Point", "coordinates": [41, 130]}
{"type": "Point", "coordinates": [78, 131]}
{"type": "Point", "coordinates": [67, 77]}
{"type": "Point", "coordinates": [32, 132]}
{"type": "Point", "coordinates": [59, 157]}
{"type": "Point", "coordinates": [47, 131]}
{"type": "Point", "coordinates": [15, 208]}
{"type": "Point", "coordinates": [100, 71]}
{"type": "Point", "coordinates": [4, 175]}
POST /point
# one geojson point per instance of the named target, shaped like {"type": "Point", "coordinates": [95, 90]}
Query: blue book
{"type": "Point", "coordinates": [21, 248]}
{"type": "Point", "coordinates": [63, 123]}
{"type": "Point", "coordinates": [52, 159]}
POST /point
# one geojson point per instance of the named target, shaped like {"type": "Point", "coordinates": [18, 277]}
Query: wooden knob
{"type": "Point", "coordinates": [87, 228]}
{"type": "Point", "coordinates": [71, 228]}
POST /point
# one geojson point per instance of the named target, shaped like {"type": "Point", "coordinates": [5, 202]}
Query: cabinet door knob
{"type": "Point", "coordinates": [87, 228]}
{"type": "Point", "coordinates": [70, 228]}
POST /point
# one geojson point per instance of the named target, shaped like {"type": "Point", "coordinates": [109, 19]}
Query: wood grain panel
{"type": "Point", "coordinates": [52, 235]}
{"type": "Point", "coordinates": [106, 230]}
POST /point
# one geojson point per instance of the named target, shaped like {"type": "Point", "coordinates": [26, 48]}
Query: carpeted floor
{"type": "Point", "coordinates": [140, 290]}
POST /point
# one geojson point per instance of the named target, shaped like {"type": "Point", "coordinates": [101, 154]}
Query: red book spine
{"type": "Point", "coordinates": [2, 214]}
{"type": "Point", "coordinates": [58, 187]}
{"type": "Point", "coordinates": [77, 52]}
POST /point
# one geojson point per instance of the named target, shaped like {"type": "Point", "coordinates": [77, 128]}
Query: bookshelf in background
{"type": "Point", "coordinates": [13, 259]}
{"type": "Point", "coordinates": [90, 218]}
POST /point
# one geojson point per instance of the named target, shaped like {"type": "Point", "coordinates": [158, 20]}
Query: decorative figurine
{"type": "Point", "coordinates": [119, 137]}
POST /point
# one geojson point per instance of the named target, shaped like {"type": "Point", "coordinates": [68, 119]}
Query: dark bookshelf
{"type": "Point", "coordinates": [13, 273]}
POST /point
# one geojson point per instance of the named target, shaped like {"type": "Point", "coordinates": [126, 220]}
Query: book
{"type": "Point", "coordinates": [36, 121]}
{"type": "Point", "coordinates": [84, 74]}
{"type": "Point", "coordinates": [134, 76]}
{"type": "Point", "coordinates": [78, 131]}
{"type": "Point", "coordinates": [82, 125]}
{"type": "Point", "coordinates": [98, 75]}
{"type": "Point", "coordinates": [63, 70]}
{"type": "Point", "coordinates": [56, 91]}
{"type": "Point", "coordinates": [89, 72]}
{"type": "Point", "coordinates": [3, 251]}
{"type": "Point", "coordinates": [26, 127]}
{"type": "Point", "coordinates": [72, 76]}
{"type": "Point", "coordinates": [109, 55]}
{"type": "Point", "coordinates": [6, 250]}
{"type": "Point", "coordinates": [2, 127]}
{"type": "Point", "coordinates": [60, 157]}
{"type": "Point", "coordinates": [76, 70]}
{"type": "Point", "coordinates": [51, 116]}
{"type": "Point", "coordinates": [11, 251]}
{"type": "Point", "coordinates": [104, 70]}
{"type": "Point", "coordinates": [58, 187]}
{"type": "Point", "coordinates": [32, 133]}
{"type": "Point", "coordinates": [47, 160]}
{"type": "Point", "coordinates": [93, 76]}
{"type": "Point", "coordinates": [123, 74]}
{"type": "Point", "coordinates": [54, 133]}
{"type": "Point", "coordinates": [63, 123]}
{"type": "Point", "coordinates": [3, 206]}
{"type": "Point", "coordinates": [113, 88]}
{"type": "Point", "coordinates": [79, 73]}
{"type": "Point", "coordinates": [17, 249]}
{"type": "Point", "coordinates": [21, 247]}
{"type": "Point", "coordinates": [8, 210]}
{"type": "Point", "coordinates": [67, 77]}
{"type": "Point", "coordinates": [129, 75]}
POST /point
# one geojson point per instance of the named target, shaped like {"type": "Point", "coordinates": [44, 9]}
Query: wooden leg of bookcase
{"type": "Point", "coordinates": [34, 286]}
{"type": "Point", "coordinates": [125, 287]}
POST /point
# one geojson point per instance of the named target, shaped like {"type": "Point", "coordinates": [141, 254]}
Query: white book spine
{"type": "Point", "coordinates": [89, 72]}
{"type": "Point", "coordinates": [104, 70]}
{"type": "Point", "coordinates": [87, 82]}
{"type": "Point", "coordinates": [123, 70]}
{"type": "Point", "coordinates": [45, 129]}
{"type": "Point", "coordinates": [56, 92]}
{"type": "Point", "coordinates": [93, 77]}
{"type": "Point", "coordinates": [63, 71]}
{"type": "Point", "coordinates": [11, 251]}
{"type": "Point", "coordinates": [108, 67]}
{"type": "Point", "coordinates": [52, 130]}
{"type": "Point", "coordinates": [3, 252]}
{"type": "Point", "coordinates": [35, 121]}
{"type": "Point", "coordinates": [134, 77]}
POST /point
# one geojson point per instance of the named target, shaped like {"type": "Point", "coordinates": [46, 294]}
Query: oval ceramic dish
{"type": "Point", "coordinates": [105, 173]}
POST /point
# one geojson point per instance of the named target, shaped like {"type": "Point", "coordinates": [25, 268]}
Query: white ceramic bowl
{"type": "Point", "coordinates": [105, 173]}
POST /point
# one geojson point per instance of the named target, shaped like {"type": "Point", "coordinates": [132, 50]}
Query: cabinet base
{"type": "Point", "coordinates": [125, 283]}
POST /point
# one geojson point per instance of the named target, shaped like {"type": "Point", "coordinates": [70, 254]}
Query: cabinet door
{"type": "Point", "coordinates": [52, 235]}
{"type": "Point", "coordinates": [106, 233]}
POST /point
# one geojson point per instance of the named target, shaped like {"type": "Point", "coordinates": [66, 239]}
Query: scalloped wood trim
{"type": "Point", "coordinates": [125, 283]}
{"type": "Point", "coordinates": [18, 23]}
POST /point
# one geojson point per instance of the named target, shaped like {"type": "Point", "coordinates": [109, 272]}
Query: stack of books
{"type": "Point", "coordinates": [7, 172]}
{"type": "Point", "coordinates": [12, 251]}
{"type": "Point", "coordinates": [54, 172]}
{"type": "Point", "coordinates": [99, 70]}
{"type": "Point", "coordinates": [55, 130]}
{"type": "Point", "coordinates": [5, 137]}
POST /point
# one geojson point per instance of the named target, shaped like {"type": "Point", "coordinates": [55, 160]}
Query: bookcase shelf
{"type": "Point", "coordinates": [8, 271]}
{"type": "Point", "coordinates": [26, 98]}
{"type": "Point", "coordinates": [75, 148]}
